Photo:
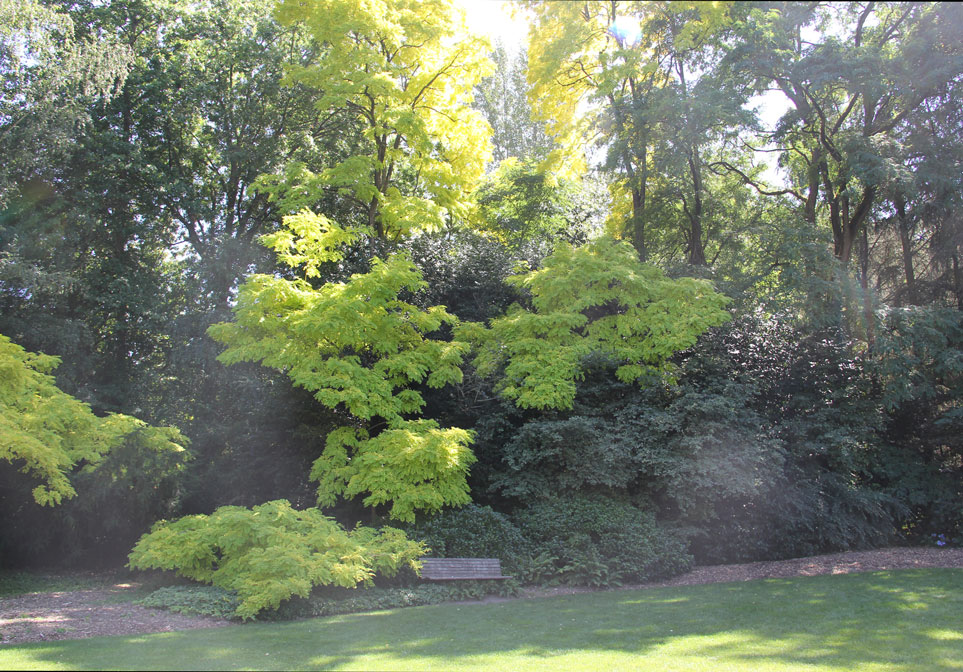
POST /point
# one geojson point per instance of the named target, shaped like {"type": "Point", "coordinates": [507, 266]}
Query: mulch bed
{"type": "Point", "coordinates": [91, 613]}
{"type": "Point", "coordinates": [78, 614]}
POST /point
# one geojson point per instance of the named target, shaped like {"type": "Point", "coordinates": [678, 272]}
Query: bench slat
{"type": "Point", "coordinates": [452, 569]}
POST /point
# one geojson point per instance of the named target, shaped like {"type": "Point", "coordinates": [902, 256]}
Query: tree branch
{"type": "Point", "coordinates": [752, 183]}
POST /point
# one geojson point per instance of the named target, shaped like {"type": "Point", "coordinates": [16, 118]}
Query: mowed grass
{"type": "Point", "coordinates": [907, 620]}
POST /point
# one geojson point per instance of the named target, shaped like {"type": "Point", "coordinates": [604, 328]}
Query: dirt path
{"type": "Point", "coordinates": [77, 614]}
{"type": "Point", "coordinates": [109, 611]}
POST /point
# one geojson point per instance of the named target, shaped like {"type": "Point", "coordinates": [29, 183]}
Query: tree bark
{"type": "Point", "coordinates": [907, 246]}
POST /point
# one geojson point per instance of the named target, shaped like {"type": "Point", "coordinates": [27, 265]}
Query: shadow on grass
{"type": "Point", "coordinates": [893, 620]}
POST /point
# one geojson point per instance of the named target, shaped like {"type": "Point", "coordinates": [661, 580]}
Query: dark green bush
{"type": "Point", "coordinates": [473, 532]}
{"type": "Point", "coordinates": [597, 541]}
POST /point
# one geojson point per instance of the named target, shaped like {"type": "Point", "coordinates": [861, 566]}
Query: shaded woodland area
{"type": "Point", "coordinates": [621, 321]}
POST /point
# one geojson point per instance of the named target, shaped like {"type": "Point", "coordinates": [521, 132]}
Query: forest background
{"type": "Point", "coordinates": [567, 280]}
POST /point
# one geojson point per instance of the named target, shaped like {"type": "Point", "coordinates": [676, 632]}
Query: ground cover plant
{"type": "Point", "coordinates": [895, 621]}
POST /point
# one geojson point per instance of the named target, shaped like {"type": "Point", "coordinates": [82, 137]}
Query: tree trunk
{"type": "Point", "coordinates": [697, 253]}
{"type": "Point", "coordinates": [868, 316]}
{"type": "Point", "coordinates": [638, 221]}
{"type": "Point", "coordinates": [907, 245]}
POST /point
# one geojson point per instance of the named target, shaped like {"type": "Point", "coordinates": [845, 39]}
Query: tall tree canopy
{"type": "Point", "coordinates": [406, 71]}
{"type": "Point", "coordinates": [853, 75]}
{"type": "Point", "coordinates": [617, 72]}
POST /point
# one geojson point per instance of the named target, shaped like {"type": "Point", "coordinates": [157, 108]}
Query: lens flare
{"type": "Point", "coordinates": [626, 30]}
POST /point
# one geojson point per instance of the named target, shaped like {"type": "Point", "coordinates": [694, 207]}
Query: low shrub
{"type": "Point", "coordinates": [199, 600]}
{"type": "Point", "coordinates": [272, 552]}
{"type": "Point", "coordinates": [330, 601]}
{"type": "Point", "coordinates": [325, 601]}
{"type": "Point", "coordinates": [597, 541]}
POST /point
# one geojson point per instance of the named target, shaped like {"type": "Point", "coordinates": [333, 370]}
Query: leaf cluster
{"type": "Point", "coordinates": [595, 299]}
{"type": "Point", "coordinates": [358, 347]}
{"type": "Point", "coordinates": [51, 433]}
{"type": "Point", "coordinates": [406, 71]}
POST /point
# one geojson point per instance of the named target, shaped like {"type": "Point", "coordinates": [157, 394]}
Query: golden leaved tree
{"type": "Point", "coordinates": [406, 69]}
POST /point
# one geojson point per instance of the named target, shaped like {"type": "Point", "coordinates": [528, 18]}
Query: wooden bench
{"type": "Point", "coordinates": [454, 569]}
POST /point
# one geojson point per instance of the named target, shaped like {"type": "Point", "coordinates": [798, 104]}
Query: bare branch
{"type": "Point", "coordinates": [752, 183]}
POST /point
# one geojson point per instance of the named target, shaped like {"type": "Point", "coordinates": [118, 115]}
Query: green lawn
{"type": "Point", "coordinates": [909, 620]}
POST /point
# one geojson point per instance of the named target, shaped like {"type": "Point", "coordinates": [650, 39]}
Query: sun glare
{"type": "Point", "coordinates": [493, 18]}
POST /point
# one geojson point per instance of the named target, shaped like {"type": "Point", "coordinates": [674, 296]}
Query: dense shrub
{"type": "Point", "coordinates": [473, 532]}
{"type": "Point", "coordinates": [596, 540]}
{"type": "Point", "coordinates": [806, 395]}
{"type": "Point", "coordinates": [918, 367]}
{"type": "Point", "coordinates": [271, 552]}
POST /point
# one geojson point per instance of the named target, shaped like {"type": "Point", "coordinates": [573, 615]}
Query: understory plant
{"type": "Point", "coordinates": [324, 601]}
{"type": "Point", "coordinates": [272, 552]}
{"type": "Point", "coordinates": [597, 541]}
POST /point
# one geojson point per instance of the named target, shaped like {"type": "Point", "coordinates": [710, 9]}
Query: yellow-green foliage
{"type": "Point", "coordinates": [597, 298]}
{"type": "Point", "coordinates": [406, 71]}
{"type": "Point", "coordinates": [50, 433]}
{"type": "Point", "coordinates": [414, 465]}
{"type": "Point", "coordinates": [272, 552]}
{"type": "Point", "coordinates": [574, 58]}
{"type": "Point", "coordinates": [357, 346]}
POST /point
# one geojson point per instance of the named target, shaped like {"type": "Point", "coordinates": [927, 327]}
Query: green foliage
{"type": "Point", "coordinates": [405, 71]}
{"type": "Point", "coordinates": [801, 399]}
{"type": "Point", "coordinates": [528, 210]}
{"type": "Point", "coordinates": [473, 532]}
{"type": "Point", "coordinates": [356, 345]}
{"type": "Point", "coordinates": [271, 552]}
{"type": "Point", "coordinates": [917, 363]}
{"type": "Point", "coordinates": [598, 541]}
{"type": "Point", "coordinates": [52, 433]}
{"type": "Point", "coordinates": [503, 98]}
{"type": "Point", "coordinates": [584, 450]}
{"type": "Point", "coordinates": [414, 465]}
{"type": "Point", "coordinates": [465, 272]}
{"type": "Point", "coordinates": [850, 90]}
{"type": "Point", "coordinates": [198, 600]}
{"type": "Point", "coordinates": [49, 73]}
{"type": "Point", "coordinates": [332, 601]}
{"type": "Point", "coordinates": [595, 299]}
